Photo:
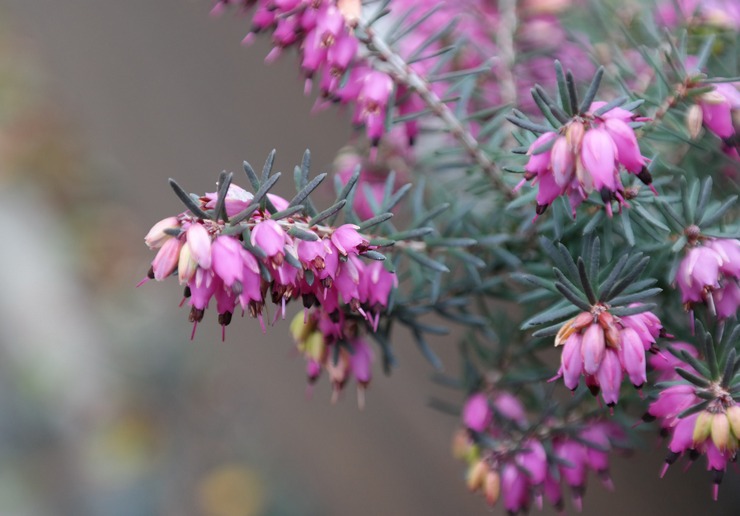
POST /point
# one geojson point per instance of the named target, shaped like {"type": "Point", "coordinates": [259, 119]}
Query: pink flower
{"type": "Point", "coordinates": [269, 236]}
{"type": "Point", "coordinates": [717, 107]}
{"type": "Point", "coordinates": [477, 413]}
{"type": "Point", "coordinates": [347, 240]}
{"type": "Point", "coordinates": [698, 273]}
{"type": "Point", "coordinates": [157, 236]}
{"type": "Point", "coordinates": [199, 242]}
{"type": "Point", "coordinates": [166, 260]}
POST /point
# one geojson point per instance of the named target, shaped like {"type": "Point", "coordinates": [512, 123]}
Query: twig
{"type": "Point", "coordinates": [404, 74]}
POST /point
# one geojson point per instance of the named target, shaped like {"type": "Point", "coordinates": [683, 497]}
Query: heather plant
{"type": "Point", "coordinates": [614, 123]}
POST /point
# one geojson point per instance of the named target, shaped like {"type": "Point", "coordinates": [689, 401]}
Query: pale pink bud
{"type": "Point", "coordinates": [186, 265]}
{"type": "Point", "coordinates": [593, 348]}
{"type": "Point", "coordinates": [156, 236]}
{"type": "Point", "coordinates": [694, 120]}
{"type": "Point", "coordinates": [165, 261]}
{"type": "Point", "coordinates": [562, 162]}
{"type": "Point", "coordinates": [632, 356]}
{"type": "Point", "coordinates": [571, 361]}
{"type": "Point", "coordinates": [200, 245]}
{"type": "Point", "coordinates": [609, 377]}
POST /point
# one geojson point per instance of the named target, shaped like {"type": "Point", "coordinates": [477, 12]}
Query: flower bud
{"type": "Point", "coordinates": [733, 416]}
{"type": "Point", "coordinates": [593, 348]}
{"type": "Point", "coordinates": [460, 444]}
{"type": "Point", "coordinates": [165, 261]}
{"type": "Point", "coordinates": [186, 266]}
{"type": "Point", "coordinates": [702, 427]}
{"type": "Point", "coordinates": [200, 245]}
{"type": "Point", "coordinates": [492, 487]}
{"type": "Point", "coordinates": [477, 412]}
{"type": "Point", "coordinates": [476, 475]}
{"type": "Point", "coordinates": [157, 236]}
{"type": "Point", "coordinates": [694, 120]}
{"type": "Point", "coordinates": [721, 431]}
{"type": "Point", "coordinates": [315, 347]}
{"type": "Point", "coordinates": [351, 10]}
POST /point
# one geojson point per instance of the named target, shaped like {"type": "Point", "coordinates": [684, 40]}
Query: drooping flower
{"type": "Point", "coordinates": [709, 273]}
{"type": "Point", "coordinates": [586, 155]}
{"type": "Point", "coordinates": [603, 348]}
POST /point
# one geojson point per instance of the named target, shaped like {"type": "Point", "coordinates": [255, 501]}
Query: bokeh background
{"type": "Point", "coordinates": [106, 405]}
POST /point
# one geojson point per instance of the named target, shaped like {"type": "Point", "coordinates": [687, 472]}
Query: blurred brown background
{"type": "Point", "coordinates": [106, 406]}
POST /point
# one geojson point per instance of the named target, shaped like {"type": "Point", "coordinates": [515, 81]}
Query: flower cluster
{"type": "Point", "coordinates": [335, 347]}
{"type": "Point", "coordinates": [258, 257]}
{"type": "Point", "coordinates": [709, 273]}
{"type": "Point", "coordinates": [585, 155]}
{"type": "Point", "coordinates": [329, 53]}
{"type": "Point", "coordinates": [502, 463]}
{"type": "Point", "coordinates": [700, 419]}
{"type": "Point", "coordinates": [604, 348]}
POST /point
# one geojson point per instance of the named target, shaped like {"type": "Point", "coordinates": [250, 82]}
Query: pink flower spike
{"type": "Point", "coordinates": [199, 242]}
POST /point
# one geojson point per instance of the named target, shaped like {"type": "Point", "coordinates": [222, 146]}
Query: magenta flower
{"type": "Point", "coordinates": [270, 237]}
{"type": "Point", "coordinates": [477, 414]}
{"type": "Point", "coordinates": [717, 108]}
{"type": "Point", "coordinates": [346, 240]}
{"type": "Point", "coordinates": [709, 273]}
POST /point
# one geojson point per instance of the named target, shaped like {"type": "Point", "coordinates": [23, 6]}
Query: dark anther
{"type": "Point", "coordinates": [224, 319]}
{"type": "Point", "coordinates": [196, 315]}
{"type": "Point", "coordinates": [645, 176]}
{"type": "Point", "coordinates": [309, 300]}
